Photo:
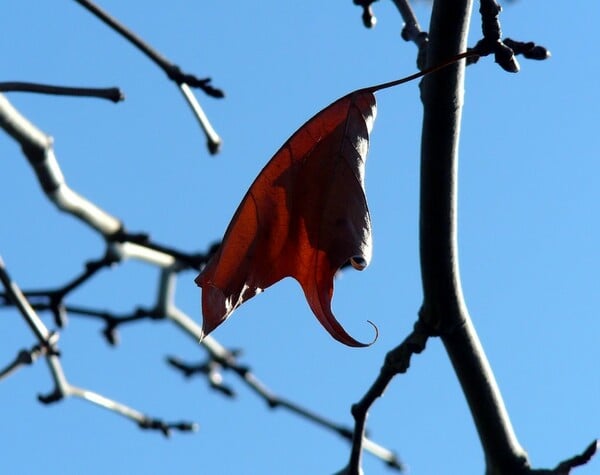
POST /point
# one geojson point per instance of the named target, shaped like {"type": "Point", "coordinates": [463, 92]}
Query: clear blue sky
{"type": "Point", "coordinates": [528, 235]}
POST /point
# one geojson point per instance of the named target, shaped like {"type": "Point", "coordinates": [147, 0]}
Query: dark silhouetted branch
{"type": "Point", "coordinates": [504, 51]}
{"type": "Point", "coordinates": [528, 49]}
{"type": "Point", "coordinates": [412, 31]}
{"type": "Point", "coordinates": [113, 94]}
{"type": "Point", "coordinates": [37, 147]}
{"type": "Point", "coordinates": [576, 461]}
{"type": "Point", "coordinates": [167, 427]}
{"type": "Point", "coordinates": [211, 369]}
{"type": "Point", "coordinates": [444, 309]}
{"type": "Point", "coordinates": [368, 17]}
{"type": "Point", "coordinates": [396, 361]}
{"type": "Point", "coordinates": [183, 80]}
{"type": "Point", "coordinates": [23, 358]}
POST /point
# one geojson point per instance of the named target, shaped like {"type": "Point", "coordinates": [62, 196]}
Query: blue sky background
{"type": "Point", "coordinates": [528, 237]}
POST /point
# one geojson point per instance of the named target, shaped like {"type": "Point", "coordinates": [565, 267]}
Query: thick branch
{"type": "Point", "coordinates": [443, 307]}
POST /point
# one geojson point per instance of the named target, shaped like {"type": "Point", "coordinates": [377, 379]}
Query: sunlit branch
{"type": "Point", "coordinates": [62, 389]}
{"type": "Point", "coordinates": [185, 260]}
{"type": "Point", "coordinates": [37, 147]}
{"type": "Point", "coordinates": [16, 297]}
{"type": "Point", "coordinates": [213, 141]}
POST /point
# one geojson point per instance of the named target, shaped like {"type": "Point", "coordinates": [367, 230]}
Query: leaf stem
{"type": "Point", "coordinates": [432, 69]}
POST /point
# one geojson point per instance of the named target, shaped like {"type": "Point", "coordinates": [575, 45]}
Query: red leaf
{"type": "Point", "coordinates": [304, 216]}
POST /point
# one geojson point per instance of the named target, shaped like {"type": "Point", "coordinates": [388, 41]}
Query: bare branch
{"type": "Point", "coordinates": [111, 93]}
{"type": "Point", "coordinates": [14, 295]}
{"type": "Point", "coordinates": [210, 368]}
{"type": "Point", "coordinates": [444, 309]}
{"type": "Point", "coordinates": [578, 460]}
{"type": "Point", "coordinates": [368, 18]}
{"type": "Point", "coordinates": [412, 31]}
{"type": "Point", "coordinates": [183, 80]}
{"type": "Point", "coordinates": [213, 141]}
{"type": "Point", "coordinates": [23, 358]}
{"type": "Point", "coordinates": [38, 149]}
{"type": "Point", "coordinates": [504, 51]}
{"type": "Point", "coordinates": [171, 70]}
{"type": "Point", "coordinates": [62, 389]}
{"type": "Point", "coordinates": [396, 361]}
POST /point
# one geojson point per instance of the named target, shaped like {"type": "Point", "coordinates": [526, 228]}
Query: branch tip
{"type": "Point", "coordinates": [113, 94]}
{"type": "Point", "coordinates": [578, 460]}
{"type": "Point", "coordinates": [368, 18]}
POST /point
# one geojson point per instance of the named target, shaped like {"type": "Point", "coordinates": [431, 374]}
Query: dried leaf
{"type": "Point", "coordinates": [304, 216]}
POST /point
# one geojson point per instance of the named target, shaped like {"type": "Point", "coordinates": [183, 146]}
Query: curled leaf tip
{"type": "Point", "coordinates": [376, 332]}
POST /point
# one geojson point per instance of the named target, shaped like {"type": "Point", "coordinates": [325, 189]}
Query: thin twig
{"type": "Point", "coordinates": [412, 31]}
{"type": "Point", "coordinates": [172, 70]}
{"type": "Point", "coordinates": [368, 17]}
{"type": "Point", "coordinates": [183, 80]}
{"type": "Point", "coordinates": [396, 361]}
{"type": "Point", "coordinates": [188, 261]}
{"type": "Point", "coordinates": [504, 51]}
{"type": "Point", "coordinates": [122, 245]}
{"type": "Point", "coordinates": [113, 94]}
{"type": "Point", "coordinates": [15, 296]}
{"type": "Point", "coordinates": [213, 141]}
{"type": "Point", "coordinates": [578, 460]}
{"type": "Point", "coordinates": [23, 358]}
{"type": "Point", "coordinates": [62, 388]}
